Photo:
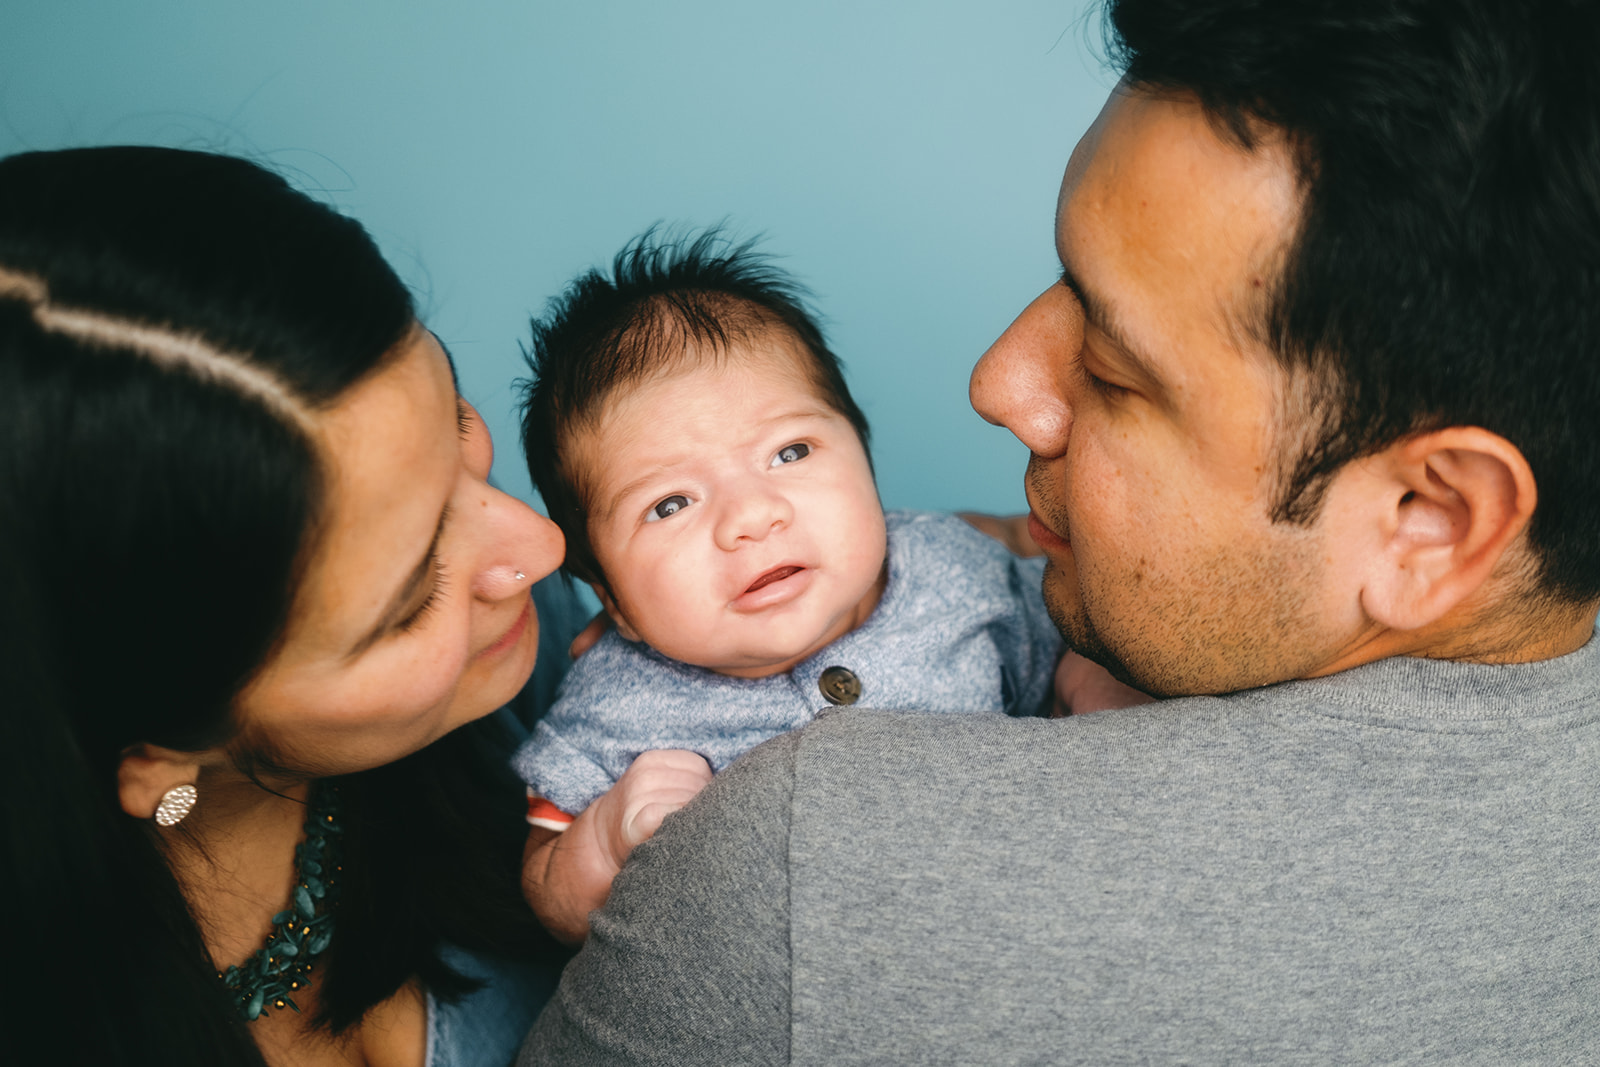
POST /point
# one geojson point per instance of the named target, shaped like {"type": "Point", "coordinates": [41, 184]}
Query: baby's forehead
{"type": "Point", "coordinates": [648, 406]}
{"type": "Point", "coordinates": [772, 353]}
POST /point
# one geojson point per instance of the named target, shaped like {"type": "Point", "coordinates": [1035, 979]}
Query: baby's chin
{"type": "Point", "coordinates": [763, 662]}
{"type": "Point", "coordinates": [775, 643]}
{"type": "Point", "coordinates": [764, 666]}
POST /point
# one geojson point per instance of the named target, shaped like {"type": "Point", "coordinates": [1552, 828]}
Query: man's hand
{"type": "Point", "coordinates": [1083, 686]}
{"type": "Point", "coordinates": [1009, 530]}
{"type": "Point", "coordinates": [567, 875]}
{"type": "Point", "coordinates": [589, 635]}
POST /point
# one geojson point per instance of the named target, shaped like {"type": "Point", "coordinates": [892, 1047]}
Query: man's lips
{"type": "Point", "coordinates": [1046, 538]}
{"type": "Point", "coordinates": [776, 574]}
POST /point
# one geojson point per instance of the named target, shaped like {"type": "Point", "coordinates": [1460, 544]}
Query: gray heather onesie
{"type": "Point", "coordinates": [961, 627]}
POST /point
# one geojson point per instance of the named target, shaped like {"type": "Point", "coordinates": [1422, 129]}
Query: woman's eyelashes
{"type": "Point", "coordinates": [667, 508]}
{"type": "Point", "coordinates": [413, 620]}
{"type": "Point", "coordinates": [791, 454]}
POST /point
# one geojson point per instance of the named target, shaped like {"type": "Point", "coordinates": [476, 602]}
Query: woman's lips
{"type": "Point", "coordinates": [1046, 538]}
{"type": "Point", "coordinates": [511, 636]}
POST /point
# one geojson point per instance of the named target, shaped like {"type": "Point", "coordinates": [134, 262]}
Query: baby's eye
{"type": "Point", "coordinates": [791, 454]}
{"type": "Point", "coordinates": [670, 506]}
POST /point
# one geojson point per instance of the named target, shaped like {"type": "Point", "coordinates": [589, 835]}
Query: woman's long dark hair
{"type": "Point", "coordinates": [169, 323]}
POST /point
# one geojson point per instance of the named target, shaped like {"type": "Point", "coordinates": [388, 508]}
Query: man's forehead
{"type": "Point", "coordinates": [1171, 226]}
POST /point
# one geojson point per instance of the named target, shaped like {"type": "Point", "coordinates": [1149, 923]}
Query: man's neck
{"type": "Point", "coordinates": [1534, 633]}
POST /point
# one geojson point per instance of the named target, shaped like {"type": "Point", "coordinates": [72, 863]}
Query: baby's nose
{"type": "Point", "coordinates": [753, 518]}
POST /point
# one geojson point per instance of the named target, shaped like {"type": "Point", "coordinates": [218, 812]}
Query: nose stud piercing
{"type": "Point", "coordinates": [519, 576]}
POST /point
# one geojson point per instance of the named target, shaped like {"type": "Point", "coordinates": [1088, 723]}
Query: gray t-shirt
{"type": "Point", "coordinates": [1396, 864]}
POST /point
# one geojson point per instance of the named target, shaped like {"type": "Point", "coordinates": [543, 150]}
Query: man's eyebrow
{"type": "Point", "coordinates": [407, 592]}
{"type": "Point", "coordinates": [1102, 317]}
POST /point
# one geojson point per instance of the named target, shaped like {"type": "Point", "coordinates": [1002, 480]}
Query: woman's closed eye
{"type": "Point", "coordinates": [791, 454]}
{"type": "Point", "coordinates": [413, 620]}
{"type": "Point", "coordinates": [667, 508]}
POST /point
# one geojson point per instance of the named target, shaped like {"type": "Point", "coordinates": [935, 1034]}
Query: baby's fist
{"type": "Point", "coordinates": [655, 785]}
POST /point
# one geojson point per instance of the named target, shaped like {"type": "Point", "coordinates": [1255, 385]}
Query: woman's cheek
{"type": "Point", "coordinates": [411, 683]}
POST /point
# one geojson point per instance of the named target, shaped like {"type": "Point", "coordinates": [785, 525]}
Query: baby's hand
{"type": "Point", "coordinates": [1083, 686]}
{"type": "Point", "coordinates": [567, 875]}
{"type": "Point", "coordinates": [654, 786]}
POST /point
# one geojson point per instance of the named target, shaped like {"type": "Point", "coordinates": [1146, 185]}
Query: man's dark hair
{"type": "Point", "coordinates": [1446, 266]}
{"type": "Point", "coordinates": [664, 298]}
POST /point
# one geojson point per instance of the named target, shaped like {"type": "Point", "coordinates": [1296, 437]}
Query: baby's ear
{"type": "Point", "coordinates": [618, 620]}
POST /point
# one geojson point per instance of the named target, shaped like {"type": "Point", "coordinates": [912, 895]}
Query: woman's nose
{"type": "Point", "coordinates": [523, 547]}
{"type": "Point", "coordinates": [1017, 383]}
{"type": "Point", "coordinates": [751, 516]}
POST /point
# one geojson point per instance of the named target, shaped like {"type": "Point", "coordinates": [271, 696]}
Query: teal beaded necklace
{"type": "Point", "coordinates": [301, 931]}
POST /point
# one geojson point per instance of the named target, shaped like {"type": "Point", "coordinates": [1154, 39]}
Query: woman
{"type": "Point", "coordinates": [259, 599]}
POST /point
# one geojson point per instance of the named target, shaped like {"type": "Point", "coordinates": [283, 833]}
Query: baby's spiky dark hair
{"type": "Point", "coordinates": [664, 298]}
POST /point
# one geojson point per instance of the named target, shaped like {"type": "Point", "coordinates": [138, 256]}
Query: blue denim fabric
{"type": "Point", "coordinates": [484, 1029]}
{"type": "Point", "coordinates": [562, 613]}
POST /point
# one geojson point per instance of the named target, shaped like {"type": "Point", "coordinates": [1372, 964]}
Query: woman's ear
{"type": "Point", "coordinates": [148, 772]}
{"type": "Point", "coordinates": [1451, 503]}
{"type": "Point", "coordinates": [618, 620]}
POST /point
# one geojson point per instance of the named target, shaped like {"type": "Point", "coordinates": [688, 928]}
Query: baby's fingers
{"type": "Point", "coordinates": [648, 819]}
{"type": "Point", "coordinates": [663, 760]}
{"type": "Point", "coordinates": [655, 786]}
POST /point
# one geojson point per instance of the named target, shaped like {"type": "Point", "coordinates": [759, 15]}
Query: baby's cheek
{"type": "Point", "coordinates": [668, 606]}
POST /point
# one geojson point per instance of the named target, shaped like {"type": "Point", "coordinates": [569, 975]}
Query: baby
{"type": "Point", "coordinates": [693, 436]}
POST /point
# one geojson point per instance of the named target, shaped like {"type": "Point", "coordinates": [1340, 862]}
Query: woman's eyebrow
{"type": "Point", "coordinates": [407, 593]}
{"type": "Point", "coordinates": [455, 378]}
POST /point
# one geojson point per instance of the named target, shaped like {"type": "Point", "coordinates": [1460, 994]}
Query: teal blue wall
{"type": "Point", "coordinates": [902, 157]}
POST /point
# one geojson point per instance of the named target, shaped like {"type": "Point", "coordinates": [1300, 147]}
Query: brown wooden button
{"type": "Point", "coordinates": [840, 685]}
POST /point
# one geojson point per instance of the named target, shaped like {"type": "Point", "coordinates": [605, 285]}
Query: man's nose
{"type": "Point", "coordinates": [751, 515]}
{"type": "Point", "coordinates": [1018, 382]}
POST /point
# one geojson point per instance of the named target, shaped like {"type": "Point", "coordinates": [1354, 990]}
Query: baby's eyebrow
{"type": "Point", "coordinates": [632, 487]}
{"type": "Point", "coordinates": [811, 412]}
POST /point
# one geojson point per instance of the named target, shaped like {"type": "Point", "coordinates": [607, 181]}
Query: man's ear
{"type": "Point", "coordinates": [609, 602]}
{"type": "Point", "coordinates": [147, 772]}
{"type": "Point", "coordinates": [1452, 502]}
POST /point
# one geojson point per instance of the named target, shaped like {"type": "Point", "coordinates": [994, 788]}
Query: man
{"type": "Point", "coordinates": [1313, 449]}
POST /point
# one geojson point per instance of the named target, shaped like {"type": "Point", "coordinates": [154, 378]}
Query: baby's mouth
{"type": "Point", "coordinates": [776, 574]}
